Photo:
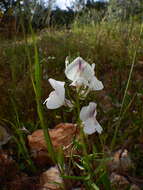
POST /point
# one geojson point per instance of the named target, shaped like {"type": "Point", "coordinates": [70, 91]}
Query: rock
{"type": "Point", "coordinates": [134, 187]}
{"type": "Point", "coordinates": [61, 137]}
{"type": "Point", "coordinates": [121, 161]}
{"type": "Point", "coordinates": [51, 180]}
{"type": "Point", "coordinates": [11, 177]}
{"type": "Point", "coordinates": [119, 182]}
{"type": "Point", "coordinates": [8, 167]}
{"type": "Point", "coordinates": [4, 136]}
{"type": "Point", "coordinates": [41, 158]}
{"type": "Point", "coordinates": [23, 182]}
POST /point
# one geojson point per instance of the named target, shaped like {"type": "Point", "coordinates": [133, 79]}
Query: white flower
{"type": "Point", "coordinates": [57, 97]}
{"type": "Point", "coordinates": [88, 116]}
{"type": "Point", "coordinates": [82, 73]}
{"type": "Point", "coordinates": [79, 71]}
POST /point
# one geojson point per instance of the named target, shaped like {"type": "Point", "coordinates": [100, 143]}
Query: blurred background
{"type": "Point", "coordinates": [57, 13]}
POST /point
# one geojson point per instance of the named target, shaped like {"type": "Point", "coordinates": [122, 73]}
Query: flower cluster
{"type": "Point", "coordinates": [82, 76]}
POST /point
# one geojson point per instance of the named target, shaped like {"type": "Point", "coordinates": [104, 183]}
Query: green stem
{"type": "Point", "coordinates": [79, 123]}
{"type": "Point", "coordinates": [126, 90]}
{"type": "Point", "coordinates": [84, 147]}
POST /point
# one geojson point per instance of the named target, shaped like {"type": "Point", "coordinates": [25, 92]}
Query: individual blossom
{"type": "Point", "coordinates": [56, 98]}
{"type": "Point", "coordinates": [79, 72]}
{"type": "Point", "coordinates": [88, 117]}
{"type": "Point", "coordinates": [82, 73]}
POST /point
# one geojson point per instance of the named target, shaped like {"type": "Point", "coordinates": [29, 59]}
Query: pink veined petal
{"type": "Point", "coordinates": [89, 127]}
{"type": "Point", "coordinates": [88, 116]}
{"type": "Point", "coordinates": [79, 82]}
{"type": "Point", "coordinates": [84, 113]}
{"type": "Point", "coordinates": [98, 127]}
{"type": "Point", "coordinates": [93, 67]}
{"type": "Point", "coordinates": [79, 68]}
{"type": "Point", "coordinates": [82, 73]}
{"type": "Point", "coordinates": [53, 101]}
{"type": "Point", "coordinates": [92, 109]}
{"type": "Point", "coordinates": [72, 70]}
{"type": "Point", "coordinates": [95, 84]}
{"type": "Point", "coordinates": [88, 72]}
{"type": "Point", "coordinates": [56, 84]}
{"type": "Point", "coordinates": [88, 111]}
{"type": "Point", "coordinates": [59, 88]}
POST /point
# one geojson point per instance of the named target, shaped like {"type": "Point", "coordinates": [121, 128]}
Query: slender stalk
{"type": "Point", "coordinates": [90, 184]}
{"type": "Point", "coordinates": [37, 90]}
{"type": "Point", "coordinates": [126, 90]}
